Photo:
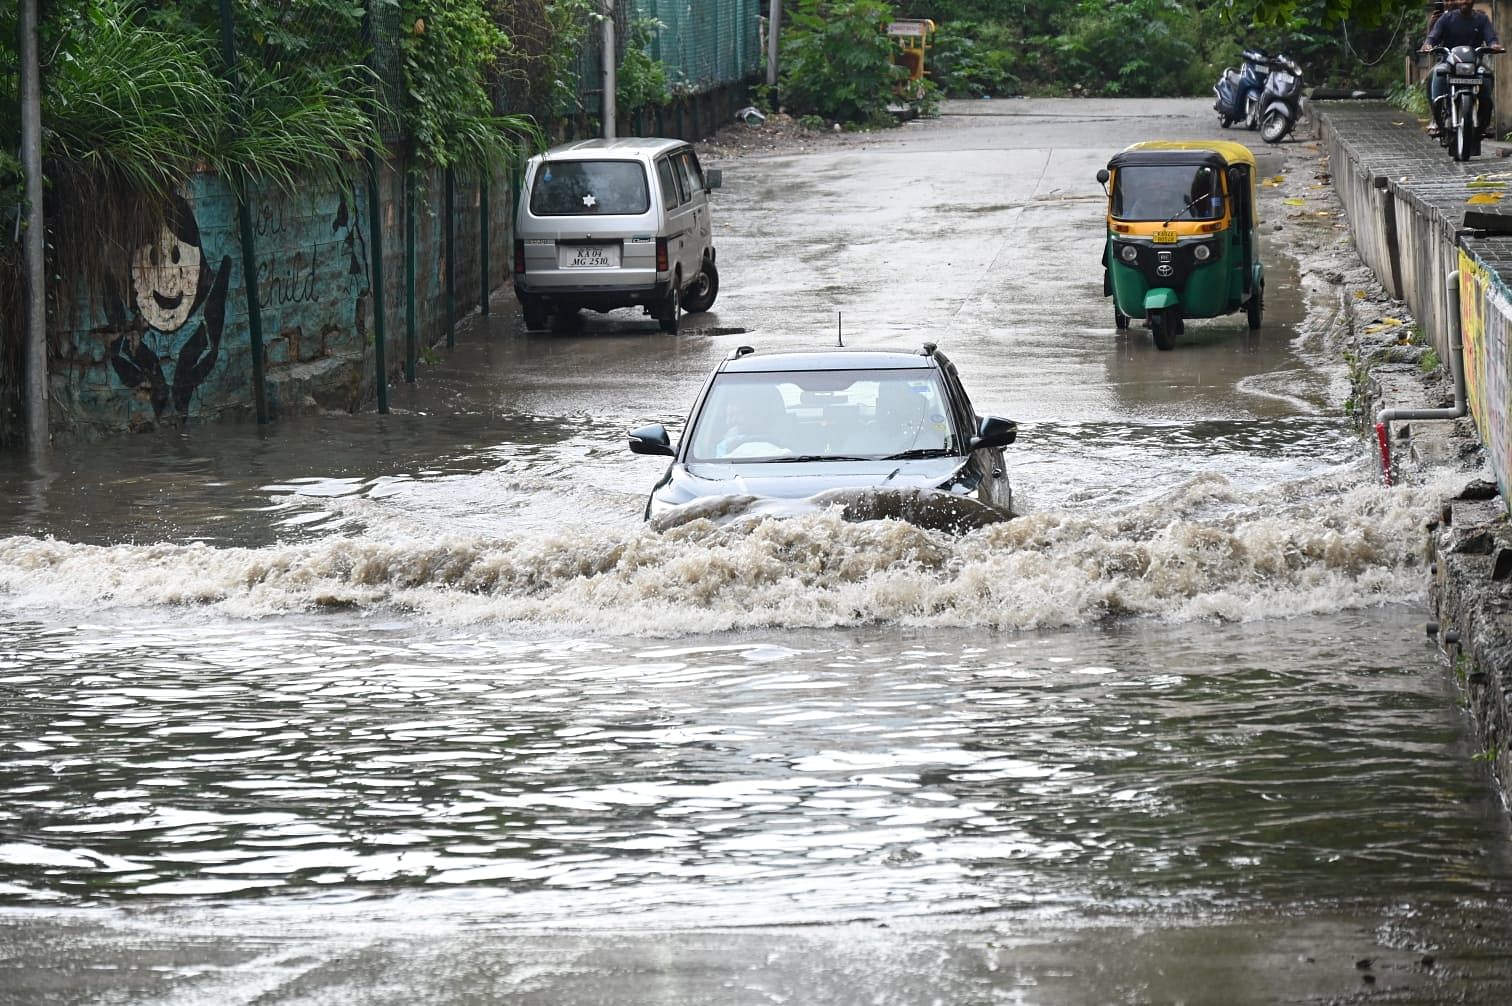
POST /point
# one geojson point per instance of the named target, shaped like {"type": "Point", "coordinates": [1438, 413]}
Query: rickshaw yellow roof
{"type": "Point", "coordinates": [1227, 149]}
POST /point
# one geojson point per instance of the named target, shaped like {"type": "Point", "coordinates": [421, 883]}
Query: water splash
{"type": "Point", "coordinates": [1207, 548]}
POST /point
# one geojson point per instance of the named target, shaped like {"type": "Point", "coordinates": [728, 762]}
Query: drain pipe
{"type": "Point", "coordinates": [1456, 367]}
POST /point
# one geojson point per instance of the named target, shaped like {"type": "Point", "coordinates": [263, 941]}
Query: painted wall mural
{"type": "Point", "coordinates": [167, 338]}
{"type": "Point", "coordinates": [1486, 331]}
{"type": "Point", "coordinates": [171, 341]}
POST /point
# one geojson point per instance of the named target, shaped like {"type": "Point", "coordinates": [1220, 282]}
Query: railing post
{"type": "Point", "coordinates": [244, 224]}
{"type": "Point", "coordinates": [483, 248]}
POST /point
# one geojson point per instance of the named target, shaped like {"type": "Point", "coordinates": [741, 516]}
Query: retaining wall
{"type": "Point", "coordinates": [1406, 203]}
{"type": "Point", "coordinates": [167, 340]}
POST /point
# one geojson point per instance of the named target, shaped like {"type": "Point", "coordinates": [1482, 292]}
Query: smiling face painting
{"type": "Point", "coordinates": [158, 353]}
{"type": "Point", "coordinates": [166, 274]}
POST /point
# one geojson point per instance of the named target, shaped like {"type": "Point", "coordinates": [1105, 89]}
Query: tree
{"type": "Point", "coordinates": [1276, 13]}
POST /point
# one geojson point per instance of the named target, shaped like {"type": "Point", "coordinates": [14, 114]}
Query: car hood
{"type": "Point", "coordinates": [865, 490]}
{"type": "Point", "coordinates": [799, 480]}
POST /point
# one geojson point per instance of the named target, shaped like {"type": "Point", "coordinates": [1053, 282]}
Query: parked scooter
{"type": "Point", "coordinates": [1458, 113]}
{"type": "Point", "coordinates": [1280, 104]}
{"type": "Point", "coordinates": [1238, 91]}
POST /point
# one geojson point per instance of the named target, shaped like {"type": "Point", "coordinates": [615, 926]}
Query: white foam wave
{"type": "Point", "coordinates": [1205, 549]}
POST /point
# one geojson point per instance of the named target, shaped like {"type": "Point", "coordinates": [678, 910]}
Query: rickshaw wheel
{"type": "Point", "coordinates": [1120, 320]}
{"type": "Point", "coordinates": [1255, 309]}
{"type": "Point", "coordinates": [1163, 328]}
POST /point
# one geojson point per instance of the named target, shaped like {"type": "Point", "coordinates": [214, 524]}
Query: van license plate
{"type": "Point", "coordinates": [1165, 237]}
{"type": "Point", "coordinates": [574, 256]}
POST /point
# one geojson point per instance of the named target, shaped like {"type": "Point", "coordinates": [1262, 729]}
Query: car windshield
{"type": "Point", "coordinates": [1167, 192]}
{"type": "Point", "coordinates": [822, 415]}
{"type": "Point", "coordinates": [589, 188]}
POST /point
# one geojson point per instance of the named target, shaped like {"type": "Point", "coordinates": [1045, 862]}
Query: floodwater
{"type": "Point", "coordinates": [414, 708]}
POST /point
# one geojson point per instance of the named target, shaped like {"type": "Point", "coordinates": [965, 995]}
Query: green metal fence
{"type": "Point", "coordinates": [704, 44]}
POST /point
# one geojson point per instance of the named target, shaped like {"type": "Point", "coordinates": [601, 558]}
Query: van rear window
{"type": "Point", "coordinates": [589, 188]}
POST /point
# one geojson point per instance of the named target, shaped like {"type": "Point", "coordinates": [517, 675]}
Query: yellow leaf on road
{"type": "Point", "coordinates": [1484, 198]}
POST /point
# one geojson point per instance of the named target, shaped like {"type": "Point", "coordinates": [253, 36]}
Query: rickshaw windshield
{"type": "Point", "coordinates": [1167, 192]}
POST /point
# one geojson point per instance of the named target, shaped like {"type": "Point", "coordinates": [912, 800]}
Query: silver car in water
{"type": "Point", "coordinates": [882, 433]}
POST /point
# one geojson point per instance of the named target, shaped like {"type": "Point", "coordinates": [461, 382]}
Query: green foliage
{"type": "Point", "coordinates": [837, 61]}
{"type": "Point", "coordinates": [1327, 14]}
{"type": "Point", "coordinates": [640, 79]}
{"type": "Point", "coordinates": [449, 49]}
{"type": "Point", "coordinates": [1411, 98]}
{"type": "Point", "coordinates": [131, 102]}
{"type": "Point", "coordinates": [971, 59]}
{"type": "Point", "coordinates": [536, 71]}
{"type": "Point", "coordinates": [1132, 49]}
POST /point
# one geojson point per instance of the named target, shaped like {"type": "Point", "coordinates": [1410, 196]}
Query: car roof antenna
{"type": "Point", "coordinates": [840, 329]}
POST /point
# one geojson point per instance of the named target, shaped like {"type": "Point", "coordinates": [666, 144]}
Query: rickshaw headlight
{"type": "Point", "coordinates": [1128, 253]}
{"type": "Point", "coordinates": [1202, 253]}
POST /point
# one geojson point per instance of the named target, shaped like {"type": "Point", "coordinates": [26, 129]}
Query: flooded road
{"type": "Point", "coordinates": [390, 709]}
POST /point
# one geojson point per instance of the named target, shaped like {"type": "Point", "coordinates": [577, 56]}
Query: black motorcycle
{"type": "Point", "coordinates": [1457, 110]}
{"type": "Point", "coordinates": [1280, 104]}
{"type": "Point", "coordinates": [1238, 91]}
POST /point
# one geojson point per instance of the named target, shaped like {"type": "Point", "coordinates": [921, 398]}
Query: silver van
{"type": "Point", "coordinates": [604, 224]}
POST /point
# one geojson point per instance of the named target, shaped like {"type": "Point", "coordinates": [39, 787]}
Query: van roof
{"type": "Point", "coordinates": [619, 146]}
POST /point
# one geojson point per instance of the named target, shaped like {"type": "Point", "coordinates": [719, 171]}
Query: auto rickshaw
{"type": "Point", "coordinates": [1182, 239]}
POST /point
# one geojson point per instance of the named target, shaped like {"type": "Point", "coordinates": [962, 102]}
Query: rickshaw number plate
{"type": "Point", "coordinates": [1164, 237]}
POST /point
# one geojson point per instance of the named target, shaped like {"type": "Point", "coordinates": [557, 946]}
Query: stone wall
{"type": "Point", "coordinates": [169, 339]}
{"type": "Point", "coordinates": [1406, 202]}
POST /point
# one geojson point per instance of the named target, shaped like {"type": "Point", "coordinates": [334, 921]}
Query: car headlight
{"type": "Point", "coordinates": [1128, 253]}
{"type": "Point", "coordinates": [1202, 253]}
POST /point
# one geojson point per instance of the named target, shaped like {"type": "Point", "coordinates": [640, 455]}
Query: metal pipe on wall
{"type": "Point", "coordinates": [1456, 369]}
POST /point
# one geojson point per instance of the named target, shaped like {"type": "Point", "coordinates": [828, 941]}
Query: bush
{"type": "Point", "coordinates": [972, 60]}
{"type": "Point", "coordinates": [1134, 49]}
{"type": "Point", "coordinates": [837, 61]}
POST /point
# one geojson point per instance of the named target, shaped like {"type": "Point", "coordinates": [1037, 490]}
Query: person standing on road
{"type": "Point", "coordinates": [1460, 24]}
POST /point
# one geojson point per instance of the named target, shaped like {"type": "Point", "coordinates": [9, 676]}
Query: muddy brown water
{"type": "Point", "coordinates": [414, 707]}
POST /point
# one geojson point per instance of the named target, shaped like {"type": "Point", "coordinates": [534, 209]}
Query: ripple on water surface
{"type": "Point", "coordinates": [828, 774]}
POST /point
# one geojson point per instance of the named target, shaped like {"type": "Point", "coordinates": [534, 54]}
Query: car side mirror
{"type": "Point", "coordinates": [651, 440]}
{"type": "Point", "coordinates": [994, 431]}
{"type": "Point", "coordinates": [713, 179]}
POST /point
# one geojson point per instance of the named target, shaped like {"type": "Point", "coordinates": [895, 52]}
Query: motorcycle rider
{"type": "Point", "coordinates": [1460, 24]}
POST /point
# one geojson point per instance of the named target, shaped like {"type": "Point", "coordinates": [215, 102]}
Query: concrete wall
{"type": "Point", "coordinates": [169, 340]}
{"type": "Point", "coordinates": [1406, 201]}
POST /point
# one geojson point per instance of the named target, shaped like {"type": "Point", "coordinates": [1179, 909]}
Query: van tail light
{"type": "Point", "coordinates": [519, 256]}
{"type": "Point", "coordinates": [662, 262]}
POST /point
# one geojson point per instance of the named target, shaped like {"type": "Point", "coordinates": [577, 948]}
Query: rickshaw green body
{"type": "Point", "coordinates": [1182, 236]}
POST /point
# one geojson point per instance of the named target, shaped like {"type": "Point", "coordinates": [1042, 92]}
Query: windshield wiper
{"type": "Point", "coordinates": [919, 452]}
{"type": "Point", "coordinates": [816, 457]}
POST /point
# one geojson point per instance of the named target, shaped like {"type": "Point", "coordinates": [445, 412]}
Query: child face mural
{"type": "Point", "coordinates": [166, 277]}
{"type": "Point", "coordinates": [160, 354]}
